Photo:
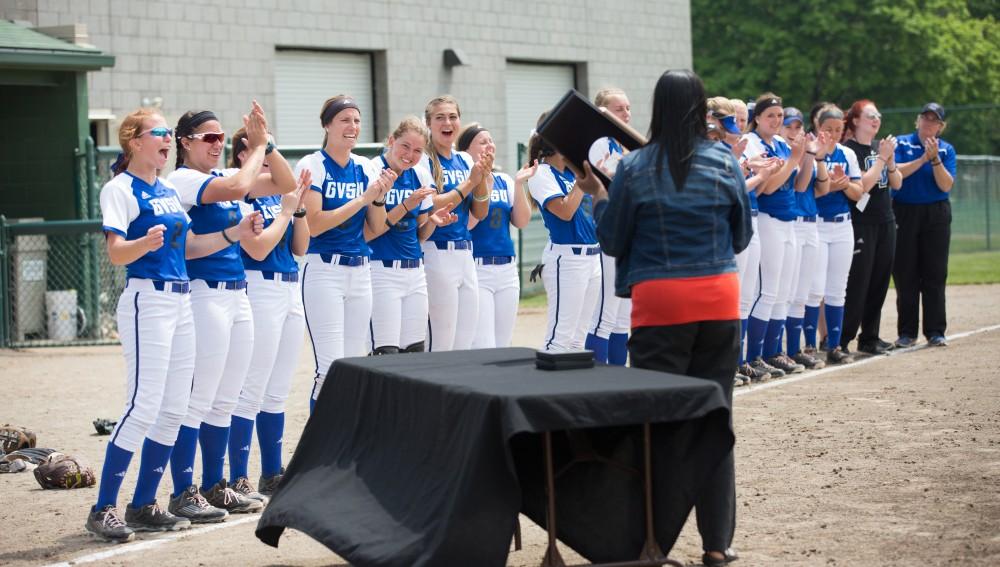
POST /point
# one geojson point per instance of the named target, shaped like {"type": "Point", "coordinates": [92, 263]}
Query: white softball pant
{"type": "Point", "coordinates": [613, 314]}
{"type": "Point", "coordinates": [777, 266]}
{"type": "Point", "coordinates": [748, 264]}
{"type": "Point", "coordinates": [572, 284]}
{"type": "Point", "coordinates": [807, 236]}
{"type": "Point", "coordinates": [338, 307]}
{"type": "Point", "coordinates": [278, 329]}
{"type": "Point", "coordinates": [499, 291]}
{"type": "Point", "coordinates": [157, 336]}
{"type": "Point", "coordinates": [833, 262]}
{"type": "Point", "coordinates": [223, 326]}
{"type": "Point", "coordinates": [399, 312]}
{"type": "Point", "coordinates": [453, 297]}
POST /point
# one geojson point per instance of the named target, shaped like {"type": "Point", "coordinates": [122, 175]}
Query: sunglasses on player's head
{"type": "Point", "coordinates": [159, 132]}
{"type": "Point", "coordinates": [208, 137]}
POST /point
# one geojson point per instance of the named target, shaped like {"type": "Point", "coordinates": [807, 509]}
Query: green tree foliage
{"type": "Point", "coordinates": [899, 53]}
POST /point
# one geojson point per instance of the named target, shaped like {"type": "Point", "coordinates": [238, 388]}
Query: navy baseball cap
{"type": "Point", "coordinates": [934, 107]}
{"type": "Point", "coordinates": [792, 114]}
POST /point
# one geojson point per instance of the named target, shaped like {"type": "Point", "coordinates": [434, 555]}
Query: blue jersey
{"type": "Point", "coordinates": [549, 183]}
{"type": "Point", "coordinates": [805, 201]}
{"type": "Point", "coordinates": [400, 242]}
{"type": "Point", "coordinates": [836, 202]}
{"type": "Point", "coordinates": [920, 188]}
{"type": "Point", "coordinates": [130, 208]}
{"type": "Point", "coordinates": [454, 172]}
{"type": "Point", "coordinates": [206, 218]}
{"type": "Point", "coordinates": [338, 186]}
{"type": "Point", "coordinates": [491, 236]}
{"type": "Point", "coordinates": [781, 203]}
{"type": "Point", "coordinates": [280, 258]}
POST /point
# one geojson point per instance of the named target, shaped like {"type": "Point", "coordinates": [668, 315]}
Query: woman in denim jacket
{"type": "Point", "coordinates": [678, 215]}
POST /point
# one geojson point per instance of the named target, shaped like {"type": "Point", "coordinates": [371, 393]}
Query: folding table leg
{"type": "Point", "coordinates": [552, 557]}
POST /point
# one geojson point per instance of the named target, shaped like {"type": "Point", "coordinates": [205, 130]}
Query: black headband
{"type": "Point", "coordinates": [828, 114]}
{"type": "Point", "coordinates": [186, 128]}
{"type": "Point", "coordinates": [334, 108]}
{"type": "Point", "coordinates": [465, 140]}
{"type": "Point", "coordinates": [765, 104]}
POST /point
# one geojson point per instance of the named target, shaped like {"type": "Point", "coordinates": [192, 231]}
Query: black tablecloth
{"type": "Point", "coordinates": [426, 459]}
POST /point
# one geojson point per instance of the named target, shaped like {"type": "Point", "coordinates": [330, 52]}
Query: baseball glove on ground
{"type": "Point", "coordinates": [64, 471]}
{"type": "Point", "coordinates": [14, 437]}
{"type": "Point", "coordinates": [23, 459]}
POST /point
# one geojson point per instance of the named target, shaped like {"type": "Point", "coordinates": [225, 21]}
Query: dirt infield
{"type": "Point", "coordinates": [892, 462]}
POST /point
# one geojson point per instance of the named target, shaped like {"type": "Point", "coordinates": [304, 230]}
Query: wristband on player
{"type": "Point", "coordinates": [459, 191]}
{"type": "Point", "coordinates": [405, 208]}
{"type": "Point", "coordinates": [379, 203]}
{"type": "Point", "coordinates": [299, 213]}
{"type": "Point", "coordinates": [226, 237]}
{"type": "Point", "coordinates": [485, 198]}
{"type": "Point", "coordinates": [936, 163]}
{"type": "Point", "coordinates": [818, 180]}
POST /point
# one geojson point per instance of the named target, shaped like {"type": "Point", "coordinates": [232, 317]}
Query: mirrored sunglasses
{"type": "Point", "coordinates": [873, 116]}
{"type": "Point", "coordinates": [159, 132]}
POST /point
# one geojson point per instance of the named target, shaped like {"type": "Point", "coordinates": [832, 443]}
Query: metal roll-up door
{"type": "Point", "coordinates": [532, 88]}
{"type": "Point", "coordinates": [303, 80]}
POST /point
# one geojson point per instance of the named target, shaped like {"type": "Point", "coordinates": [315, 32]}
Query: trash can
{"type": "Point", "coordinates": [61, 308]}
{"type": "Point", "coordinates": [28, 277]}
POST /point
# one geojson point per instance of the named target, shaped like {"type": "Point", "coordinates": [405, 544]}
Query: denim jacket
{"type": "Point", "coordinates": [655, 231]}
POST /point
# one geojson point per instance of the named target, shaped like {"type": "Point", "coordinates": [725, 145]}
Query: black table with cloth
{"type": "Point", "coordinates": [427, 459]}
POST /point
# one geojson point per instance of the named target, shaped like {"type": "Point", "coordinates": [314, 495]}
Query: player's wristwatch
{"type": "Point", "coordinates": [270, 148]}
{"type": "Point", "coordinates": [299, 213]}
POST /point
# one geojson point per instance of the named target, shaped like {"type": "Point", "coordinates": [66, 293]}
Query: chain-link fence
{"type": "Point", "coordinates": [59, 288]}
{"type": "Point", "coordinates": [58, 284]}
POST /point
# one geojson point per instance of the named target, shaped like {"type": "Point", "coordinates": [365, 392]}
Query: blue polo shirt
{"type": "Point", "coordinates": [920, 188]}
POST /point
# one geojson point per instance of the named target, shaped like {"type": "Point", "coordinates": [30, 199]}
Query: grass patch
{"type": "Point", "coordinates": [536, 301]}
{"type": "Point", "coordinates": [974, 268]}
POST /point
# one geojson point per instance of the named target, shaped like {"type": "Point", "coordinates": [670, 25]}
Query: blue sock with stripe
{"type": "Point", "coordinates": [756, 329]}
{"type": "Point", "coordinates": [793, 330]}
{"type": "Point", "coordinates": [153, 462]}
{"type": "Point", "coordinates": [772, 338]}
{"type": "Point", "coordinates": [834, 325]}
{"type": "Point", "coordinates": [116, 462]}
{"type": "Point", "coordinates": [182, 458]}
{"type": "Point", "coordinates": [270, 430]}
{"type": "Point", "coordinates": [240, 438]}
{"type": "Point", "coordinates": [599, 346]}
{"type": "Point", "coordinates": [618, 349]}
{"type": "Point", "coordinates": [809, 324]}
{"type": "Point", "coordinates": [743, 340]}
{"type": "Point", "coordinates": [213, 441]}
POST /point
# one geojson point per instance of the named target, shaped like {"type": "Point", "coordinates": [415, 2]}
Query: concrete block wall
{"type": "Point", "coordinates": [219, 54]}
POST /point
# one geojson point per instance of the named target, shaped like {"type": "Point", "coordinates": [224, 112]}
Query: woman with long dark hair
{"type": "Point", "coordinates": [678, 216]}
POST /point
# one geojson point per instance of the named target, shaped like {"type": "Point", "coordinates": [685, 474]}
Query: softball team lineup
{"type": "Point", "coordinates": [412, 251]}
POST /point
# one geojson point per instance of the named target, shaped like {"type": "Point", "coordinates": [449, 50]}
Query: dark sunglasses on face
{"type": "Point", "coordinates": [208, 137]}
{"type": "Point", "coordinates": [159, 132]}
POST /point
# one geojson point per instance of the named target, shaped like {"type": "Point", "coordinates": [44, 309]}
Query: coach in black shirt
{"type": "Point", "coordinates": [874, 228]}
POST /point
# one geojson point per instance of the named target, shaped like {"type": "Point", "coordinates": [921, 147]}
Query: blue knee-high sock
{"type": "Point", "coordinates": [618, 349]}
{"type": "Point", "coordinates": [213, 441]}
{"type": "Point", "coordinates": [270, 429]}
{"type": "Point", "coordinates": [743, 340]}
{"type": "Point", "coordinates": [182, 458]}
{"type": "Point", "coordinates": [155, 457]}
{"type": "Point", "coordinates": [116, 462]}
{"type": "Point", "coordinates": [756, 329]}
{"type": "Point", "coordinates": [834, 325]}
{"type": "Point", "coordinates": [599, 346]}
{"type": "Point", "coordinates": [793, 330]}
{"type": "Point", "coordinates": [809, 324]}
{"type": "Point", "coordinates": [240, 438]}
{"type": "Point", "coordinates": [772, 339]}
